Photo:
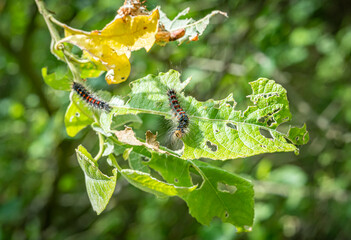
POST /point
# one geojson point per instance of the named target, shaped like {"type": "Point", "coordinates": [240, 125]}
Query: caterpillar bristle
{"type": "Point", "coordinates": [179, 113]}
{"type": "Point", "coordinates": [89, 98]}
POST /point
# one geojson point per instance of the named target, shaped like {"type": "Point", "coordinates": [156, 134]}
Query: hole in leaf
{"type": "Point", "coordinates": [285, 119]}
{"type": "Point", "coordinates": [212, 146]}
{"type": "Point", "coordinates": [216, 105]}
{"type": "Point", "coordinates": [248, 228]}
{"type": "Point", "coordinates": [268, 95]}
{"type": "Point", "coordinates": [231, 103]}
{"type": "Point", "coordinates": [76, 50]}
{"type": "Point", "coordinates": [226, 188]}
{"type": "Point", "coordinates": [270, 121]}
{"type": "Point", "coordinates": [265, 133]}
{"type": "Point", "coordinates": [77, 114]}
{"type": "Point", "coordinates": [176, 180]}
{"type": "Point", "coordinates": [277, 110]}
{"type": "Point", "coordinates": [226, 214]}
{"type": "Point", "coordinates": [263, 146]}
{"type": "Point", "coordinates": [216, 130]}
{"type": "Point", "coordinates": [262, 119]}
{"type": "Point", "coordinates": [145, 159]}
{"type": "Point", "coordinates": [232, 126]}
{"type": "Point", "coordinates": [196, 179]}
{"type": "Point", "coordinates": [297, 139]}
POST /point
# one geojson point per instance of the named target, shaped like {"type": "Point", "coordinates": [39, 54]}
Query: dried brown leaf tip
{"type": "Point", "coordinates": [194, 38]}
{"type": "Point", "coordinates": [127, 136]}
{"type": "Point", "coordinates": [151, 139]}
{"type": "Point", "coordinates": [163, 36]}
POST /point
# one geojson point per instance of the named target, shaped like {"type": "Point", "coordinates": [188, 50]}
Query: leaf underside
{"type": "Point", "coordinates": [100, 187]}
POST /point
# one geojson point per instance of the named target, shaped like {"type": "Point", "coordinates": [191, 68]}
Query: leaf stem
{"type": "Point", "coordinates": [55, 37]}
{"type": "Point", "coordinates": [57, 22]}
{"type": "Point", "coordinates": [114, 162]}
{"type": "Point", "coordinates": [101, 147]}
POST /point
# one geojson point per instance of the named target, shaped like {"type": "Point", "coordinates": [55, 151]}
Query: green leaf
{"type": "Point", "coordinates": [136, 162]}
{"type": "Point", "coordinates": [77, 116]}
{"type": "Point", "coordinates": [173, 169]}
{"type": "Point", "coordinates": [100, 187]}
{"type": "Point", "coordinates": [147, 183]}
{"type": "Point", "coordinates": [192, 28]}
{"type": "Point", "coordinates": [298, 136]}
{"type": "Point", "coordinates": [107, 123]}
{"type": "Point", "coordinates": [216, 129]}
{"type": "Point", "coordinates": [57, 82]}
{"type": "Point", "coordinates": [96, 127]}
{"type": "Point", "coordinates": [222, 194]}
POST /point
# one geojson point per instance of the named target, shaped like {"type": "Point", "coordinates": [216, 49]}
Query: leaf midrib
{"type": "Point", "coordinates": [200, 118]}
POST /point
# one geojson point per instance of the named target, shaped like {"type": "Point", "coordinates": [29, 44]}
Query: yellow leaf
{"type": "Point", "coordinates": [113, 44]}
{"type": "Point", "coordinates": [90, 68]}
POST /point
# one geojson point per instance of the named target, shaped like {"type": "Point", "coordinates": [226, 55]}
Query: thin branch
{"type": "Point", "coordinates": [55, 37]}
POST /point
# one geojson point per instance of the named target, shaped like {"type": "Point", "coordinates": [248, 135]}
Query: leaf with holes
{"type": "Point", "coordinates": [216, 129]}
{"type": "Point", "coordinates": [191, 29]}
{"type": "Point", "coordinates": [224, 195]}
{"type": "Point", "coordinates": [136, 162]}
{"type": "Point", "coordinates": [100, 187]}
{"type": "Point", "coordinates": [221, 194]}
{"type": "Point", "coordinates": [298, 136]}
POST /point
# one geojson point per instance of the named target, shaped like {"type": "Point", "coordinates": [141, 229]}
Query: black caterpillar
{"type": "Point", "coordinates": [182, 117]}
{"type": "Point", "coordinates": [89, 98]}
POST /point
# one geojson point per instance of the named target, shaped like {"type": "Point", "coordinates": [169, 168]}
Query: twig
{"type": "Point", "coordinates": [55, 37]}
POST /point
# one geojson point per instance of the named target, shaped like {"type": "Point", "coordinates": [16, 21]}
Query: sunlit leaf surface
{"type": "Point", "coordinates": [216, 129]}
{"type": "Point", "coordinates": [113, 44]}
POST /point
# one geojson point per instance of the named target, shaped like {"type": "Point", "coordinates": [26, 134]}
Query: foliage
{"type": "Point", "coordinates": [217, 131]}
{"type": "Point", "coordinates": [303, 45]}
{"type": "Point", "coordinates": [112, 45]}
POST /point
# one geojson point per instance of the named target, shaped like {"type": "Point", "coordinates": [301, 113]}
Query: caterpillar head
{"type": "Point", "coordinates": [178, 133]}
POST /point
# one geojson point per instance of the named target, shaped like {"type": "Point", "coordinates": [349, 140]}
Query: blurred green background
{"type": "Point", "coordinates": [304, 45]}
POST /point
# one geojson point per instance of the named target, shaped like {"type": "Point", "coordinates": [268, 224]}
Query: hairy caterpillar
{"type": "Point", "coordinates": [182, 117]}
{"type": "Point", "coordinates": [89, 98]}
